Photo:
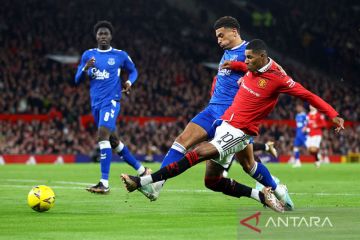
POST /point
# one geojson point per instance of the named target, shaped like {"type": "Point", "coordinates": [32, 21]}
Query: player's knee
{"type": "Point", "coordinates": [103, 134]}
{"type": "Point", "coordinates": [114, 141]}
{"type": "Point", "coordinates": [189, 137]}
{"type": "Point", "coordinates": [184, 139]}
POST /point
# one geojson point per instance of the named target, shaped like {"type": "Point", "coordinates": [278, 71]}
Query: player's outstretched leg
{"type": "Point", "coordinates": [132, 182]}
{"type": "Point", "coordinates": [266, 147]}
{"type": "Point", "coordinates": [192, 134]}
{"type": "Point", "coordinates": [125, 153]}
{"type": "Point", "coordinates": [175, 153]}
{"type": "Point", "coordinates": [260, 173]}
{"type": "Point", "coordinates": [215, 181]}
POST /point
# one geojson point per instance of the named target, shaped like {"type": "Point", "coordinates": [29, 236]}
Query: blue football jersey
{"type": "Point", "coordinates": [301, 122]}
{"type": "Point", "coordinates": [226, 84]}
{"type": "Point", "coordinates": [104, 76]}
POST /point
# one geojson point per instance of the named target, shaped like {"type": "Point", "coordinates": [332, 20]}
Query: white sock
{"type": "Point", "coordinates": [141, 170]}
{"type": "Point", "coordinates": [253, 169]}
{"type": "Point", "coordinates": [255, 195]}
{"type": "Point", "coordinates": [105, 182]}
{"type": "Point", "coordinates": [178, 147]}
{"type": "Point", "coordinates": [145, 180]}
{"type": "Point", "coordinates": [266, 147]}
{"type": "Point", "coordinates": [120, 147]}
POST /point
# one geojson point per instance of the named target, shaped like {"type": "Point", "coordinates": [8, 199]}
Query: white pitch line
{"type": "Point", "coordinates": [60, 182]}
{"type": "Point", "coordinates": [73, 183]}
{"type": "Point", "coordinates": [165, 190]}
{"type": "Point", "coordinates": [308, 193]}
{"type": "Point", "coordinates": [27, 186]}
{"type": "Point", "coordinates": [22, 180]}
{"type": "Point", "coordinates": [327, 194]}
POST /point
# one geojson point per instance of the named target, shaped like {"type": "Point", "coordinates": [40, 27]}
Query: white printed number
{"type": "Point", "coordinates": [106, 117]}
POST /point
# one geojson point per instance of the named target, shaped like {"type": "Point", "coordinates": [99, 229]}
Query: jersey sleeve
{"type": "Point", "coordinates": [129, 66]}
{"type": "Point", "coordinates": [289, 86]}
{"type": "Point", "coordinates": [81, 73]}
{"type": "Point", "coordinates": [238, 66]}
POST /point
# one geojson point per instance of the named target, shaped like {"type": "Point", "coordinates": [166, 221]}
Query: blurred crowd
{"type": "Point", "coordinates": [168, 47]}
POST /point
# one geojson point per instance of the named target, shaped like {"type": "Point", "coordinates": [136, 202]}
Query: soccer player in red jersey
{"type": "Point", "coordinates": [256, 98]}
{"type": "Point", "coordinates": [316, 122]}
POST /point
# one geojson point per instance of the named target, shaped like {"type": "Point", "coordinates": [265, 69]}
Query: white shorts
{"type": "Point", "coordinates": [313, 141]}
{"type": "Point", "coordinates": [228, 140]}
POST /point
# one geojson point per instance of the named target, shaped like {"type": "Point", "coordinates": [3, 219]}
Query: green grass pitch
{"type": "Point", "coordinates": [185, 209]}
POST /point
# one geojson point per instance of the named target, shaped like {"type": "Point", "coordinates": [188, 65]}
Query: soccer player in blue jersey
{"type": "Point", "coordinates": [200, 128]}
{"type": "Point", "coordinates": [102, 66]}
{"type": "Point", "coordinates": [301, 132]}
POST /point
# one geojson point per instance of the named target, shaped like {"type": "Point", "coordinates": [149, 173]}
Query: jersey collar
{"type": "Point", "coordinates": [107, 50]}
{"type": "Point", "coordinates": [236, 47]}
{"type": "Point", "coordinates": [266, 67]}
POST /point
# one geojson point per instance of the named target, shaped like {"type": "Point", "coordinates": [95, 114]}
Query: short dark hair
{"type": "Point", "coordinates": [227, 22]}
{"type": "Point", "coordinates": [257, 45]}
{"type": "Point", "coordinates": [103, 24]}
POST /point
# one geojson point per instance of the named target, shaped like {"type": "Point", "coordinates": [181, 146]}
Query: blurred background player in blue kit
{"type": "Point", "coordinates": [301, 133]}
{"type": "Point", "coordinates": [103, 65]}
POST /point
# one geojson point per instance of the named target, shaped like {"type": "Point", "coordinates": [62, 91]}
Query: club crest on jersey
{"type": "Point", "coordinates": [233, 57]}
{"type": "Point", "coordinates": [111, 61]}
{"type": "Point", "coordinates": [262, 83]}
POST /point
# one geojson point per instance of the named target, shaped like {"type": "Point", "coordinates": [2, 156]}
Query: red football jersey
{"type": "Point", "coordinates": [258, 95]}
{"type": "Point", "coordinates": [316, 123]}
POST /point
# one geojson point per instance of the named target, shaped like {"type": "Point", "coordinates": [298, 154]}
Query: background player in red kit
{"type": "Point", "coordinates": [256, 98]}
{"type": "Point", "coordinates": [316, 122]}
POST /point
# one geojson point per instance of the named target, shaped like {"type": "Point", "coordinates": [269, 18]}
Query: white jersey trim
{"type": "Point", "coordinates": [107, 50]}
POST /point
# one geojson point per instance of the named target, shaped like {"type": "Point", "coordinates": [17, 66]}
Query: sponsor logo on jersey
{"type": "Point", "coordinates": [224, 72]}
{"type": "Point", "coordinates": [99, 75]}
{"type": "Point", "coordinates": [111, 61]}
{"type": "Point", "coordinates": [262, 83]}
{"type": "Point", "coordinates": [250, 90]}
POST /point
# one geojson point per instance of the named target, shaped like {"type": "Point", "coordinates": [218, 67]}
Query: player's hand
{"type": "Point", "coordinates": [339, 122]}
{"type": "Point", "coordinates": [89, 63]}
{"type": "Point", "coordinates": [239, 81]}
{"type": "Point", "coordinates": [126, 87]}
{"type": "Point", "coordinates": [226, 65]}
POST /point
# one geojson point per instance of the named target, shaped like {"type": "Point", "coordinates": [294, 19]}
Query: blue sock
{"type": "Point", "coordinates": [261, 174]}
{"type": "Point", "coordinates": [127, 156]}
{"type": "Point", "coordinates": [105, 158]}
{"type": "Point", "coordinates": [296, 154]}
{"type": "Point", "coordinates": [175, 154]}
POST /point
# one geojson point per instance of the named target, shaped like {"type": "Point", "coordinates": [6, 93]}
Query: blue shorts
{"type": "Point", "coordinates": [206, 117]}
{"type": "Point", "coordinates": [300, 141]}
{"type": "Point", "coordinates": [106, 114]}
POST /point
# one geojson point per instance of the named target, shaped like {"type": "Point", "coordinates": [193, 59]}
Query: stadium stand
{"type": "Point", "coordinates": [168, 46]}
